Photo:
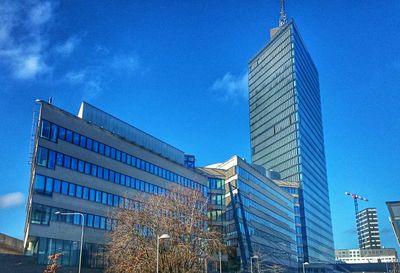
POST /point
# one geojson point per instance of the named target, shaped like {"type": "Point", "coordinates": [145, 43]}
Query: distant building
{"type": "Point", "coordinates": [256, 214]}
{"type": "Point", "coordinates": [286, 130]}
{"type": "Point", "coordinates": [11, 245]}
{"type": "Point", "coordinates": [354, 256]}
{"type": "Point", "coordinates": [93, 163]}
{"type": "Point", "coordinates": [394, 211]}
{"type": "Point", "coordinates": [368, 229]}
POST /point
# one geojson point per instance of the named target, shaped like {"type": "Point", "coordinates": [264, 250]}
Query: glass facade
{"type": "Point", "coordinates": [286, 131]}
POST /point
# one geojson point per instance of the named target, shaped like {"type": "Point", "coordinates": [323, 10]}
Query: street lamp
{"type": "Point", "coordinates": [164, 236]}
{"type": "Point", "coordinates": [251, 262]}
{"type": "Point", "coordinates": [82, 224]}
{"type": "Point", "coordinates": [304, 264]}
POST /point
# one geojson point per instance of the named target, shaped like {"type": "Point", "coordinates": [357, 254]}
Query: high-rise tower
{"type": "Point", "coordinates": [368, 230]}
{"type": "Point", "coordinates": [286, 131]}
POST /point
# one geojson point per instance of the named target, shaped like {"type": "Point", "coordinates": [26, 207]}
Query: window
{"type": "Point", "coordinates": [85, 193]}
{"type": "Point", "coordinates": [45, 129]}
{"type": "Point", "coordinates": [61, 133]}
{"type": "Point", "coordinates": [87, 168]}
{"type": "Point", "coordinates": [118, 155]}
{"type": "Point", "coordinates": [107, 151]}
{"type": "Point", "coordinates": [52, 159]}
{"type": "Point", "coordinates": [81, 166]}
{"type": "Point", "coordinates": [67, 161]}
{"type": "Point", "coordinates": [106, 174]}
{"type": "Point", "coordinates": [60, 159]}
{"type": "Point", "coordinates": [98, 196]}
{"type": "Point", "coordinates": [76, 138]}
{"type": "Point", "coordinates": [53, 135]}
{"type": "Point", "coordinates": [49, 185]}
{"type": "Point", "coordinates": [42, 156]}
{"type": "Point", "coordinates": [69, 136]}
{"type": "Point", "coordinates": [92, 195]}
{"type": "Point", "coordinates": [101, 148]}
{"type": "Point", "coordinates": [82, 142]}
{"type": "Point", "coordinates": [112, 153]}
{"type": "Point", "coordinates": [96, 221]}
{"type": "Point", "coordinates": [99, 172]}
{"type": "Point", "coordinates": [57, 186]}
{"type": "Point", "coordinates": [74, 164]}
{"type": "Point", "coordinates": [71, 191]}
{"type": "Point", "coordinates": [104, 198]}
{"type": "Point", "coordinates": [90, 220]}
{"type": "Point", "coordinates": [39, 183]}
{"type": "Point", "coordinates": [94, 170]}
{"type": "Point", "coordinates": [95, 146]}
{"type": "Point", "coordinates": [89, 143]}
{"type": "Point", "coordinates": [64, 188]}
{"type": "Point", "coordinates": [79, 191]}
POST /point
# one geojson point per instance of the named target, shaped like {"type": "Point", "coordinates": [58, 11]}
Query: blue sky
{"type": "Point", "coordinates": [177, 69]}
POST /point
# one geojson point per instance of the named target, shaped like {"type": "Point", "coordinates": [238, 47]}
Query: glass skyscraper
{"type": "Point", "coordinates": [286, 132]}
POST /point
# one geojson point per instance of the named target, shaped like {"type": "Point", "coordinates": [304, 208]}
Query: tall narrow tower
{"type": "Point", "coordinates": [286, 131]}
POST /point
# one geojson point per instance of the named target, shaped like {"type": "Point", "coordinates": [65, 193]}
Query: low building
{"type": "Point", "coordinates": [92, 163]}
{"type": "Point", "coordinates": [257, 215]}
{"type": "Point", "coordinates": [11, 245]}
{"type": "Point", "coordinates": [357, 256]}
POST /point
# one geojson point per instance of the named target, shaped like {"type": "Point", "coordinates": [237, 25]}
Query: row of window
{"type": "Point", "coordinates": [48, 185]}
{"type": "Point", "coordinates": [42, 248]}
{"type": "Point", "coordinates": [216, 183]}
{"type": "Point", "coordinates": [250, 177]}
{"type": "Point", "coordinates": [54, 132]}
{"type": "Point", "coordinates": [42, 215]}
{"type": "Point", "coordinates": [217, 199]}
{"type": "Point", "coordinates": [49, 158]}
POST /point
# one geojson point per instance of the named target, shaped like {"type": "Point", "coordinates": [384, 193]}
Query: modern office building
{"type": "Point", "coordinates": [357, 256]}
{"type": "Point", "coordinates": [256, 214]}
{"type": "Point", "coordinates": [286, 130]}
{"type": "Point", "coordinates": [394, 211]}
{"type": "Point", "coordinates": [92, 163]}
{"type": "Point", "coordinates": [294, 189]}
{"type": "Point", "coordinates": [368, 229]}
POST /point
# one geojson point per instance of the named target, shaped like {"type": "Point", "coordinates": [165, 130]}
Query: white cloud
{"type": "Point", "coordinates": [41, 13]}
{"type": "Point", "coordinates": [12, 199]}
{"type": "Point", "coordinates": [125, 63]}
{"type": "Point", "coordinates": [68, 46]}
{"type": "Point", "coordinates": [231, 87]}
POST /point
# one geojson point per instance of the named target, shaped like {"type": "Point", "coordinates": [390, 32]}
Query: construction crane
{"type": "Point", "coordinates": [357, 197]}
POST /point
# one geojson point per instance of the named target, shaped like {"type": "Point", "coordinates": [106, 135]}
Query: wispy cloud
{"type": "Point", "coordinates": [231, 87]}
{"type": "Point", "coordinates": [125, 62]}
{"type": "Point", "coordinates": [25, 47]}
{"type": "Point", "coordinates": [12, 199]}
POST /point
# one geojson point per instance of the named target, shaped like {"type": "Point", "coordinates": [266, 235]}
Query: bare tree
{"type": "Point", "coordinates": [53, 267]}
{"type": "Point", "coordinates": [180, 213]}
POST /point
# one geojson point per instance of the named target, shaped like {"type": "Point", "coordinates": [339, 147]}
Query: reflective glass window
{"type": "Point", "coordinates": [45, 129]}
{"type": "Point", "coordinates": [101, 148]}
{"type": "Point", "coordinates": [92, 195]}
{"type": "Point", "coordinates": [61, 133]}
{"type": "Point", "coordinates": [78, 191]}
{"type": "Point", "coordinates": [54, 131]}
{"type": "Point", "coordinates": [64, 188]}
{"type": "Point", "coordinates": [95, 146]}
{"type": "Point", "coordinates": [94, 170]}
{"type": "Point", "coordinates": [76, 138]}
{"type": "Point", "coordinates": [112, 176]}
{"type": "Point", "coordinates": [69, 136]}
{"type": "Point", "coordinates": [90, 220]}
{"type": "Point", "coordinates": [112, 153]}
{"type": "Point", "coordinates": [85, 193]}
{"type": "Point", "coordinates": [118, 155]}
{"type": "Point", "coordinates": [71, 191]}
{"type": "Point", "coordinates": [104, 198]}
{"type": "Point", "coordinates": [81, 166]}
{"type": "Point", "coordinates": [102, 223]}
{"type": "Point", "coordinates": [117, 178]}
{"type": "Point", "coordinates": [96, 221]}
{"type": "Point", "coordinates": [89, 143]}
{"type": "Point", "coordinates": [51, 159]}
{"type": "Point", "coordinates": [87, 168]}
{"type": "Point", "coordinates": [74, 164]}
{"type": "Point", "coordinates": [106, 174]}
{"type": "Point", "coordinates": [39, 183]}
{"type": "Point", "coordinates": [128, 159]}
{"type": "Point", "coordinates": [123, 157]}
{"type": "Point", "coordinates": [98, 196]}
{"type": "Point", "coordinates": [60, 159]}
{"type": "Point", "coordinates": [99, 172]}
{"type": "Point", "coordinates": [67, 161]}
{"type": "Point", "coordinates": [107, 151]}
{"type": "Point", "coordinates": [42, 156]}
{"type": "Point", "coordinates": [57, 186]}
{"type": "Point", "coordinates": [49, 185]}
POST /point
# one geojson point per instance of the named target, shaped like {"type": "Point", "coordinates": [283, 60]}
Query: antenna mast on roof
{"type": "Point", "coordinates": [282, 18]}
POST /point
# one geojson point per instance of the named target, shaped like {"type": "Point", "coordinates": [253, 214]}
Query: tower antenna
{"type": "Point", "coordinates": [282, 18]}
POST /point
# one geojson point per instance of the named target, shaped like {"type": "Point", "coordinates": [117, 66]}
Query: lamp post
{"type": "Point", "coordinates": [304, 264]}
{"type": "Point", "coordinates": [251, 262]}
{"type": "Point", "coordinates": [82, 224]}
{"type": "Point", "coordinates": [164, 236]}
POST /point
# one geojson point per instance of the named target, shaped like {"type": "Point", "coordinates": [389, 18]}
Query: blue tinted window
{"type": "Point", "coordinates": [64, 188]}
{"type": "Point", "coordinates": [123, 157]}
{"type": "Point", "coordinates": [141, 185]}
{"type": "Point", "coordinates": [104, 198]}
{"type": "Point", "coordinates": [71, 191]}
{"type": "Point", "coordinates": [49, 185]}
{"type": "Point", "coordinates": [60, 159]}
{"type": "Point", "coordinates": [107, 151]}
{"type": "Point", "coordinates": [52, 159]}
{"type": "Point", "coordinates": [87, 168]}
{"type": "Point", "coordinates": [147, 167]}
{"type": "Point", "coordinates": [89, 143]}
{"type": "Point", "coordinates": [110, 199]}
{"type": "Point", "coordinates": [85, 193]}
{"type": "Point", "coordinates": [96, 221]}
{"type": "Point", "coordinates": [39, 183]}
{"type": "Point", "coordinates": [128, 159]}
{"type": "Point", "coordinates": [45, 129]}
{"type": "Point", "coordinates": [112, 153]}
{"type": "Point", "coordinates": [54, 131]}
{"type": "Point", "coordinates": [74, 164]}
{"type": "Point", "coordinates": [116, 200]}
{"type": "Point", "coordinates": [94, 170]}
{"type": "Point", "coordinates": [67, 161]}
{"type": "Point", "coordinates": [106, 174]}
{"type": "Point", "coordinates": [133, 163]}
{"type": "Point", "coordinates": [112, 176]}
{"type": "Point", "coordinates": [69, 136]}
{"type": "Point", "coordinates": [98, 196]}
{"type": "Point", "coordinates": [121, 202]}
{"type": "Point", "coordinates": [92, 195]}
{"type": "Point", "coordinates": [95, 146]}
{"type": "Point", "coordinates": [143, 165]}
{"type": "Point", "coordinates": [102, 223]}
{"type": "Point", "coordinates": [41, 158]}
{"type": "Point", "coordinates": [81, 166]}
{"type": "Point", "coordinates": [61, 133]}
{"type": "Point", "coordinates": [79, 191]}
{"type": "Point", "coordinates": [76, 138]}
{"type": "Point", "coordinates": [117, 178]}
{"type": "Point", "coordinates": [82, 141]}
{"type": "Point", "coordinates": [89, 220]}
{"type": "Point", "coordinates": [99, 172]}
{"type": "Point", "coordinates": [101, 148]}
{"type": "Point", "coordinates": [122, 180]}
{"type": "Point", "coordinates": [57, 186]}
{"type": "Point", "coordinates": [127, 181]}
{"type": "Point", "coordinates": [118, 155]}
